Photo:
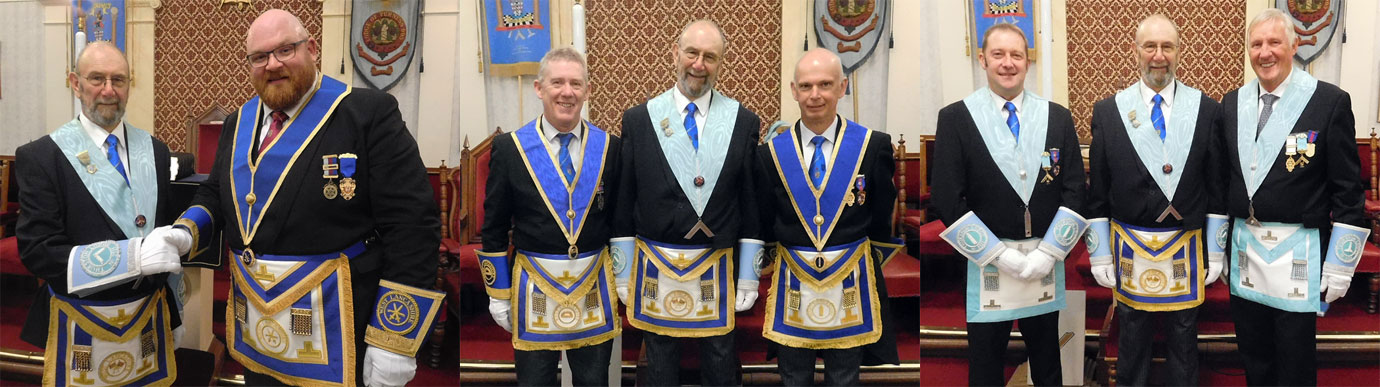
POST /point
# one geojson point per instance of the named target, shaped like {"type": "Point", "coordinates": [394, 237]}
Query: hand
{"type": "Point", "coordinates": [1105, 274]}
{"type": "Point", "coordinates": [1011, 262]}
{"type": "Point", "coordinates": [499, 309]}
{"type": "Point", "coordinates": [747, 294]}
{"type": "Point", "coordinates": [1038, 264]}
{"type": "Point", "coordinates": [623, 294]}
{"type": "Point", "coordinates": [1214, 269]}
{"type": "Point", "coordinates": [383, 368]}
{"type": "Point", "coordinates": [176, 237]}
{"type": "Point", "coordinates": [1334, 286]}
{"type": "Point", "coordinates": [155, 255]}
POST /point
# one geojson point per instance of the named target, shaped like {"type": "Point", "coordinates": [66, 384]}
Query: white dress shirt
{"type": "Point", "coordinates": [701, 108]}
{"type": "Point", "coordinates": [98, 136]}
{"type": "Point", "coordinates": [1147, 96]}
{"type": "Point", "coordinates": [807, 149]}
{"type": "Point", "coordinates": [1279, 92]}
{"type": "Point", "coordinates": [1001, 105]}
{"type": "Point", "coordinates": [553, 144]}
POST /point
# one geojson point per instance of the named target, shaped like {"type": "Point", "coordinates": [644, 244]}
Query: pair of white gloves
{"type": "Point", "coordinates": [501, 309]}
{"type": "Point", "coordinates": [161, 251]}
{"type": "Point", "coordinates": [1334, 286]}
{"type": "Point", "coordinates": [1035, 264]}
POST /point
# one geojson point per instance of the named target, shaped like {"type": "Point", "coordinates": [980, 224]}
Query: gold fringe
{"type": "Point", "coordinates": [1121, 233]}
{"type": "Point", "coordinates": [560, 346]}
{"type": "Point", "coordinates": [837, 343]}
{"type": "Point", "coordinates": [51, 357]}
{"type": "Point", "coordinates": [524, 263]}
{"type": "Point", "coordinates": [303, 286]}
{"type": "Point", "coordinates": [731, 292]}
{"type": "Point", "coordinates": [423, 326]}
{"type": "Point", "coordinates": [832, 280]}
{"type": "Point", "coordinates": [347, 336]}
{"type": "Point", "coordinates": [714, 254]}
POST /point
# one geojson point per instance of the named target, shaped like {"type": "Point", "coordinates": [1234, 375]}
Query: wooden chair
{"type": "Point", "coordinates": [9, 215]}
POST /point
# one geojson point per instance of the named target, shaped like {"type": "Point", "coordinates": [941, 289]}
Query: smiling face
{"type": "Point", "coordinates": [698, 55]}
{"type": "Point", "coordinates": [1157, 53]}
{"type": "Point", "coordinates": [1272, 53]}
{"type": "Point", "coordinates": [562, 90]}
{"type": "Point", "coordinates": [1003, 57]}
{"type": "Point", "coordinates": [818, 86]}
{"type": "Point", "coordinates": [279, 82]}
{"type": "Point", "coordinates": [103, 103]}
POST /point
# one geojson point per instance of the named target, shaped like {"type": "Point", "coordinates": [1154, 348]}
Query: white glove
{"type": "Point", "coordinates": [1011, 262]}
{"type": "Point", "coordinates": [177, 335]}
{"type": "Point", "coordinates": [155, 256]}
{"type": "Point", "coordinates": [499, 309]}
{"type": "Point", "coordinates": [1105, 274]}
{"type": "Point", "coordinates": [1038, 264]}
{"type": "Point", "coordinates": [383, 368]}
{"type": "Point", "coordinates": [1334, 286]}
{"type": "Point", "coordinates": [1214, 269]}
{"type": "Point", "coordinates": [176, 237]}
{"type": "Point", "coordinates": [623, 294]}
{"type": "Point", "coordinates": [747, 294]}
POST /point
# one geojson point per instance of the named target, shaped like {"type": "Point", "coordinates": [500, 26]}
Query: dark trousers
{"type": "Point", "coordinates": [1180, 329]}
{"type": "Point", "coordinates": [718, 362]}
{"type": "Point", "coordinates": [987, 349]}
{"type": "Point", "coordinates": [589, 366]}
{"type": "Point", "coordinates": [1277, 347]}
{"type": "Point", "coordinates": [797, 365]}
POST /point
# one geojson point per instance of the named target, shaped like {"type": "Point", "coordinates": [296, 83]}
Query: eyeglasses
{"type": "Point", "coordinates": [117, 81]}
{"type": "Point", "coordinates": [283, 53]}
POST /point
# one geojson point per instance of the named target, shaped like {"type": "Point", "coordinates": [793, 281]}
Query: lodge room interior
{"type": "Point", "coordinates": [188, 73]}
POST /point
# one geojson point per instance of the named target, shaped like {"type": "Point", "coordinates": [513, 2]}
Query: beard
{"type": "Point", "coordinates": [110, 118]}
{"type": "Point", "coordinates": [1158, 81]}
{"type": "Point", "coordinates": [692, 91]}
{"type": "Point", "coordinates": [281, 96]}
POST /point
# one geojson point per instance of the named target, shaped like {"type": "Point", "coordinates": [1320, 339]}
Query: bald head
{"type": "Point", "coordinates": [274, 23]}
{"type": "Point", "coordinates": [704, 30]}
{"type": "Point", "coordinates": [101, 82]}
{"type": "Point", "coordinates": [1155, 23]}
{"type": "Point", "coordinates": [282, 58]}
{"type": "Point", "coordinates": [819, 60]}
{"type": "Point", "coordinates": [817, 88]}
{"type": "Point", "coordinates": [101, 51]}
{"type": "Point", "coordinates": [698, 55]}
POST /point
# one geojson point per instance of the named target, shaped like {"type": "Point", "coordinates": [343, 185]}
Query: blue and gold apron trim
{"type": "Point", "coordinates": [568, 203]}
{"type": "Point", "coordinates": [295, 321]}
{"type": "Point", "coordinates": [558, 312]}
{"type": "Point", "coordinates": [818, 210]}
{"type": "Point", "coordinates": [836, 308]}
{"type": "Point", "coordinates": [1158, 275]}
{"type": "Point", "coordinates": [254, 182]}
{"type": "Point", "coordinates": [402, 317]}
{"type": "Point", "coordinates": [196, 220]}
{"type": "Point", "coordinates": [682, 295]}
{"type": "Point", "coordinates": [87, 346]}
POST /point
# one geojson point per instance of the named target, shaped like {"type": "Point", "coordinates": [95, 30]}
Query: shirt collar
{"type": "Point", "coordinates": [804, 134]}
{"type": "Point", "coordinates": [1001, 102]}
{"type": "Point", "coordinates": [1147, 94]}
{"type": "Point", "coordinates": [301, 101]}
{"type": "Point", "coordinates": [1279, 91]}
{"type": "Point", "coordinates": [98, 134]}
{"type": "Point", "coordinates": [550, 135]}
{"type": "Point", "coordinates": [701, 103]}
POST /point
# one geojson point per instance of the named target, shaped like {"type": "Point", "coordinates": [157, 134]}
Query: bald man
{"type": "Point", "coordinates": [1155, 177]}
{"type": "Point", "coordinates": [323, 199]}
{"type": "Point", "coordinates": [1295, 192]}
{"type": "Point", "coordinates": [685, 202]}
{"type": "Point", "coordinates": [1007, 171]}
{"type": "Point", "coordinates": [90, 196]}
{"type": "Point", "coordinates": [827, 203]}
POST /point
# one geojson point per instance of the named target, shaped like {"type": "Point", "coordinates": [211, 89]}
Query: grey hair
{"type": "Point", "coordinates": [1140, 28]}
{"type": "Point", "coordinates": [1274, 14]}
{"type": "Point", "coordinates": [566, 53]}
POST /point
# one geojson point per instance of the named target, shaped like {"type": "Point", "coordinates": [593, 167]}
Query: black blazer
{"type": "Point", "coordinates": [652, 204]}
{"type": "Point", "coordinates": [56, 213]}
{"type": "Point", "coordinates": [1329, 184]}
{"type": "Point", "coordinates": [1123, 189]}
{"type": "Point", "coordinates": [967, 179]}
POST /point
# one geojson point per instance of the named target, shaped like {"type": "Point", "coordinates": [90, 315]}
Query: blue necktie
{"type": "Point", "coordinates": [817, 162]}
{"type": "Point", "coordinates": [567, 167]}
{"type": "Point", "coordinates": [690, 125]}
{"type": "Point", "coordinates": [1157, 116]}
{"type": "Point", "coordinates": [1012, 120]}
{"type": "Point", "coordinates": [112, 151]}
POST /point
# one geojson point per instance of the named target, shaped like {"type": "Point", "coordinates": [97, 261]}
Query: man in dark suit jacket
{"type": "Point", "coordinates": [1007, 170]}
{"type": "Point", "coordinates": [325, 203]}
{"type": "Point", "coordinates": [1294, 180]}
{"type": "Point", "coordinates": [90, 196]}
{"type": "Point", "coordinates": [552, 184]}
{"type": "Point", "coordinates": [827, 194]}
{"type": "Point", "coordinates": [688, 188]}
{"type": "Point", "coordinates": [1155, 175]}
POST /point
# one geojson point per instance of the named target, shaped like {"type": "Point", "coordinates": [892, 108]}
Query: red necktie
{"type": "Point", "coordinates": [273, 128]}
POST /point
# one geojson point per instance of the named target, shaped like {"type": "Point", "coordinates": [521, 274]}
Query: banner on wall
{"type": "Point", "coordinates": [1314, 22]}
{"type": "Point", "coordinates": [100, 20]}
{"type": "Point", "coordinates": [518, 34]}
{"type": "Point", "coordinates": [383, 39]}
{"type": "Point", "coordinates": [850, 28]}
{"type": "Point", "coordinates": [987, 13]}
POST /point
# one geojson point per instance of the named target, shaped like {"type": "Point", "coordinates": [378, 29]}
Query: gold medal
{"type": "Point", "coordinates": [849, 198]}
{"type": "Point", "coordinates": [1288, 163]}
{"type": "Point", "coordinates": [90, 168]}
{"type": "Point", "coordinates": [330, 191]}
{"type": "Point", "coordinates": [347, 188]}
{"type": "Point", "coordinates": [247, 256]}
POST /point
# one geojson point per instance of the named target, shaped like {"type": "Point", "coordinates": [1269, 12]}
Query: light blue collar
{"type": "Point", "coordinates": [1178, 140]}
{"type": "Point", "coordinates": [1262, 152]}
{"type": "Point", "coordinates": [686, 162]}
{"type": "Point", "coordinates": [1012, 155]}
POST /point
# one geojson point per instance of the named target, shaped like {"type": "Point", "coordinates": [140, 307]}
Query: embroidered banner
{"type": "Point", "coordinates": [100, 20]}
{"type": "Point", "coordinates": [383, 38]}
{"type": "Point", "coordinates": [518, 34]}
{"type": "Point", "coordinates": [987, 13]}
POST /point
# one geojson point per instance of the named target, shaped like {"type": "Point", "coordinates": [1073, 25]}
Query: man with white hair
{"type": "Point", "coordinates": [1156, 196]}
{"type": "Point", "coordinates": [551, 184]}
{"type": "Point", "coordinates": [1295, 193]}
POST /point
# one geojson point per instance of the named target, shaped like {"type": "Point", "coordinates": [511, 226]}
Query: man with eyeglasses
{"type": "Point", "coordinates": [91, 194]}
{"type": "Point", "coordinates": [1155, 206]}
{"type": "Point", "coordinates": [324, 201]}
{"type": "Point", "coordinates": [685, 202]}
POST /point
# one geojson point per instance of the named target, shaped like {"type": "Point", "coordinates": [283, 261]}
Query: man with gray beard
{"type": "Point", "coordinates": [90, 196]}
